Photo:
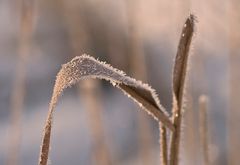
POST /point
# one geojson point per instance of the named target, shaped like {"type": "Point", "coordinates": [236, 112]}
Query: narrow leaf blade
{"type": "Point", "coordinates": [179, 75]}
{"type": "Point", "coordinates": [83, 67]}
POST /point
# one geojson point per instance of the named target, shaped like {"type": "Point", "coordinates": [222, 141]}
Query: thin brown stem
{"type": "Point", "coordinates": [88, 89]}
{"type": "Point", "coordinates": [18, 93]}
{"type": "Point", "coordinates": [90, 92]}
{"type": "Point", "coordinates": [138, 69]}
{"type": "Point", "coordinates": [233, 115]}
{"type": "Point", "coordinates": [203, 120]}
{"type": "Point", "coordinates": [163, 145]}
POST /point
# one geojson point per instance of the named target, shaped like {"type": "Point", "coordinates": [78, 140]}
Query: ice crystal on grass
{"type": "Point", "coordinates": [82, 67]}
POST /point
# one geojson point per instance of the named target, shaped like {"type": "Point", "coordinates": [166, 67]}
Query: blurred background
{"type": "Point", "coordinates": [95, 123]}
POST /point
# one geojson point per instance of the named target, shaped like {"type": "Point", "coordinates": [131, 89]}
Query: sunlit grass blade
{"type": "Point", "coordinates": [179, 75]}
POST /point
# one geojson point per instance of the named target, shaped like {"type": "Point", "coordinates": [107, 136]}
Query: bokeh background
{"type": "Point", "coordinates": [94, 123]}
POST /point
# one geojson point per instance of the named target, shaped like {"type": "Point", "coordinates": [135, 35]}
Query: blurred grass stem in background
{"type": "Point", "coordinates": [18, 90]}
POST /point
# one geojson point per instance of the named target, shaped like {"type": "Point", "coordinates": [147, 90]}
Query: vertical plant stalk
{"type": "Point", "coordinates": [90, 93]}
{"type": "Point", "coordinates": [18, 93]}
{"type": "Point", "coordinates": [191, 131]}
{"type": "Point", "coordinates": [88, 89]}
{"type": "Point", "coordinates": [203, 123]}
{"type": "Point", "coordinates": [179, 75]}
{"type": "Point", "coordinates": [233, 115]}
{"type": "Point", "coordinates": [138, 69]}
{"type": "Point", "coordinates": [163, 144]}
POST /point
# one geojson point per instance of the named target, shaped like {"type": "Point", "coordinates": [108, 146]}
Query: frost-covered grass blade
{"type": "Point", "coordinates": [83, 67]}
{"type": "Point", "coordinates": [179, 75]}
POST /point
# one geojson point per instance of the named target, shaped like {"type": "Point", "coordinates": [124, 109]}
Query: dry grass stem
{"type": "Point", "coordinates": [163, 145]}
{"type": "Point", "coordinates": [203, 120]}
{"type": "Point", "coordinates": [90, 92]}
{"type": "Point", "coordinates": [83, 67]}
{"type": "Point", "coordinates": [233, 115]}
{"type": "Point", "coordinates": [179, 74]}
{"type": "Point", "coordinates": [138, 68]}
{"type": "Point", "coordinates": [89, 89]}
{"type": "Point", "coordinates": [190, 145]}
{"type": "Point", "coordinates": [18, 94]}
